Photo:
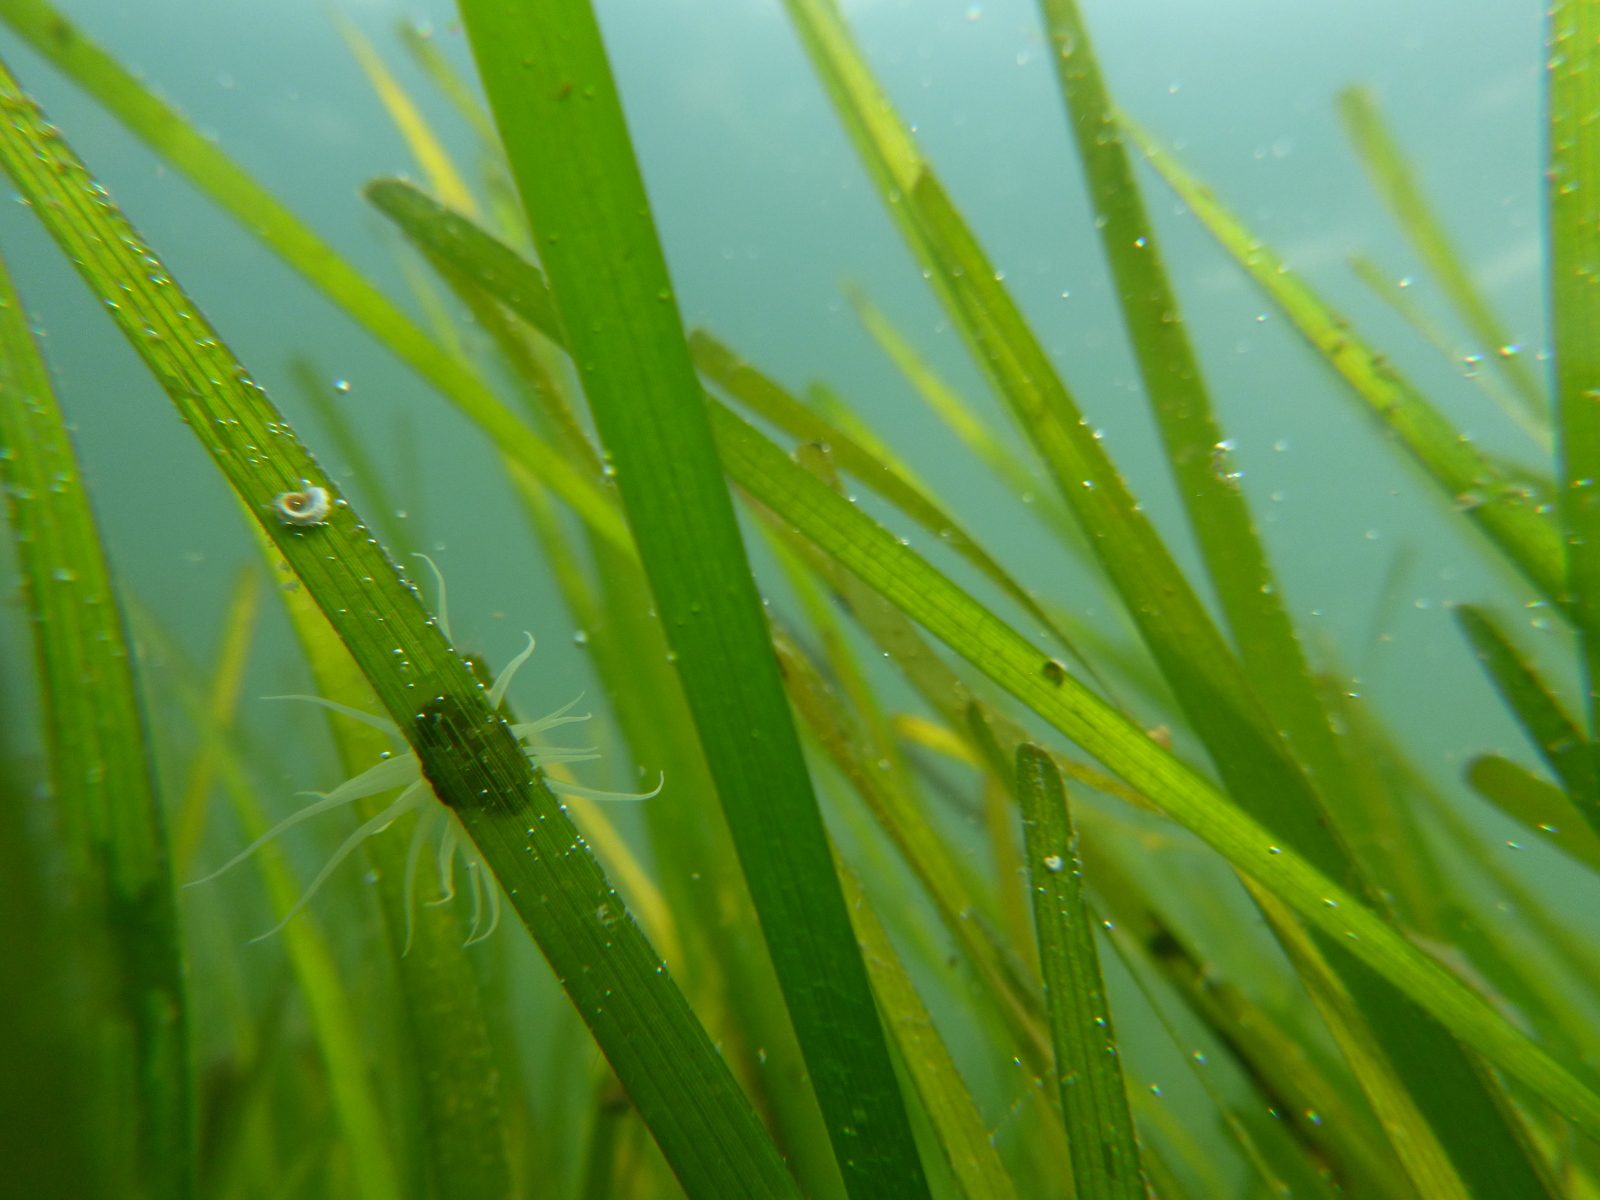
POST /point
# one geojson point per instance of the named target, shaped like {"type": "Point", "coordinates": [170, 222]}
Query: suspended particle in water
{"type": "Point", "coordinates": [341, 385]}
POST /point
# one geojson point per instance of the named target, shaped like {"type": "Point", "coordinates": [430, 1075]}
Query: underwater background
{"type": "Point", "coordinates": [767, 220]}
{"type": "Point", "coordinates": [764, 211]}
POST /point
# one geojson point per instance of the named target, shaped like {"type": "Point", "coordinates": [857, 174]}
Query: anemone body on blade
{"type": "Point", "coordinates": [434, 819]}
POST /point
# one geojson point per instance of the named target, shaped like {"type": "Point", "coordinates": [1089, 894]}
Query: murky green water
{"type": "Point", "coordinates": [764, 212]}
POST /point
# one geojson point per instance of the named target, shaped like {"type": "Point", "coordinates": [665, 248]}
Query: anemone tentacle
{"type": "Point", "coordinates": [572, 789]}
{"type": "Point", "coordinates": [444, 603]}
{"type": "Point", "coordinates": [388, 774]}
{"type": "Point", "coordinates": [427, 818]}
{"type": "Point", "coordinates": [497, 690]}
{"type": "Point", "coordinates": [366, 718]}
{"type": "Point", "coordinates": [409, 799]}
{"type": "Point", "coordinates": [447, 864]}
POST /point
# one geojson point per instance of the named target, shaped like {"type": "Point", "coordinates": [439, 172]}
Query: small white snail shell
{"type": "Point", "coordinates": [308, 507]}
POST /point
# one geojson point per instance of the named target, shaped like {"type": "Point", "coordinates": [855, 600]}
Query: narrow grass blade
{"type": "Point", "coordinates": [1385, 1033]}
{"type": "Point", "coordinates": [965, 1140]}
{"type": "Point", "coordinates": [101, 785]}
{"type": "Point", "coordinates": [45, 1141]}
{"type": "Point", "coordinates": [1542, 717]}
{"type": "Point", "coordinates": [374, 1169]}
{"type": "Point", "coordinates": [1198, 452]}
{"type": "Point", "coordinates": [458, 1075]}
{"type": "Point", "coordinates": [419, 43]}
{"type": "Point", "coordinates": [908, 582]}
{"type": "Point", "coordinates": [1323, 1109]}
{"type": "Point", "coordinates": [1416, 1145]}
{"type": "Point", "coordinates": [452, 238]}
{"type": "Point", "coordinates": [1264, 1138]}
{"type": "Point", "coordinates": [241, 197]}
{"type": "Point", "coordinates": [1572, 202]}
{"type": "Point", "coordinates": [1094, 1099]}
{"type": "Point", "coordinates": [1576, 952]}
{"type": "Point", "coordinates": [898, 639]}
{"type": "Point", "coordinates": [1382, 824]}
{"type": "Point", "coordinates": [1543, 809]}
{"type": "Point", "coordinates": [502, 193]}
{"type": "Point", "coordinates": [1507, 514]}
{"type": "Point", "coordinates": [954, 411]}
{"type": "Point", "coordinates": [1206, 678]}
{"type": "Point", "coordinates": [1396, 182]}
{"type": "Point", "coordinates": [1444, 907]}
{"type": "Point", "coordinates": [926, 854]}
{"type": "Point", "coordinates": [1191, 642]}
{"type": "Point", "coordinates": [699, 869]}
{"type": "Point", "coordinates": [1050, 669]}
{"type": "Point", "coordinates": [551, 91]}
{"type": "Point", "coordinates": [1449, 1076]}
{"type": "Point", "coordinates": [730, 978]}
{"type": "Point", "coordinates": [608, 1158]}
{"type": "Point", "coordinates": [764, 397]}
{"type": "Point", "coordinates": [703, 1123]}
{"type": "Point", "coordinates": [423, 143]}
{"type": "Point", "coordinates": [222, 699]}
{"type": "Point", "coordinates": [317, 392]}
{"type": "Point", "coordinates": [1008, 872]}
{"type": "Point", "coordinates": [536, 364]}
{"type": "Point", "coordinates": [1398, 295]}
{"type": "Point", "coordinates": [826, 401]}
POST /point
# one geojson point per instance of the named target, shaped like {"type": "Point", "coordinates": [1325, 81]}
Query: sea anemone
{"type": "Point", "coordinates": [434, 818]}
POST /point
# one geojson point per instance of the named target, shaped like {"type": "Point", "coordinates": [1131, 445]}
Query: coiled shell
{"type": "Point", "coordinates": [310, 506]}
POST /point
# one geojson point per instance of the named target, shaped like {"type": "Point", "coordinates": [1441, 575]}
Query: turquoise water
{"type": "Point", "coordinates": [764, 212]}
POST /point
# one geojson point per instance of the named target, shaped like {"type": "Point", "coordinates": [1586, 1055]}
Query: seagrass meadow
{"type": "Point", "coordinates": [776, 598]}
